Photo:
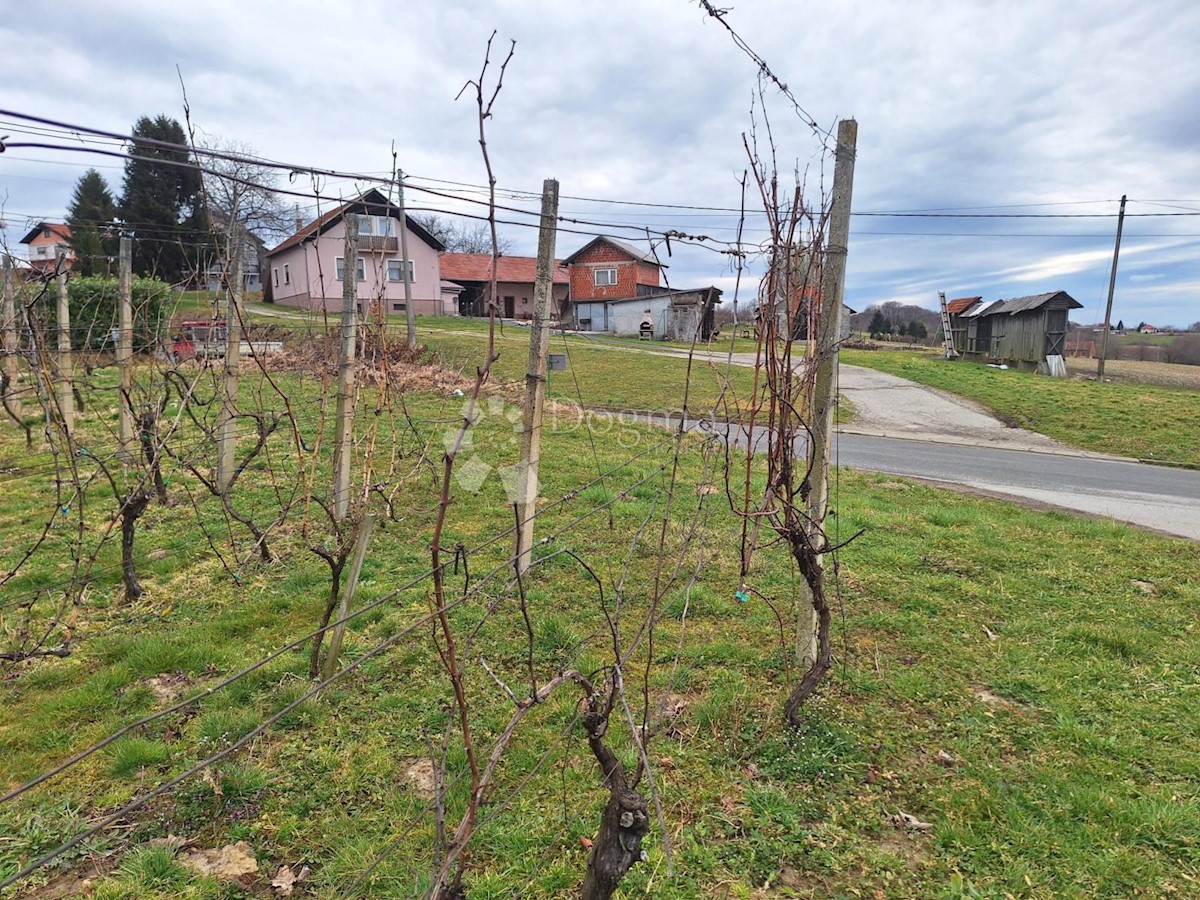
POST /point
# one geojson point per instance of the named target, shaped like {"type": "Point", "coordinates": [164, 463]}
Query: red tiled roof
{"type": "Point", "coordinates": [59, 230]}
{"type": "Point", "coordinates": [478, 267]}
{"type": "Point", "coordinates": [310, 229]}
{"type": "Point", "coordinates": [954, 307]}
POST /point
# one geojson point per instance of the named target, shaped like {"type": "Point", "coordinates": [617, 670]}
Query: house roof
{"type": "Point", "coordinates": [702, 293]}
{"type": "Point", "coordinates": [961, 304]}
{"type": "Point", "coordinates": [372, 203]}
{"type": "Point", "coordinates": [1026, 304]}
{"type": "Point", "coordinates": [620, 245]}
{"type": "Point", "coordinates": [63, 231]}
{"type": "Point", "coordinates": [478, 267]}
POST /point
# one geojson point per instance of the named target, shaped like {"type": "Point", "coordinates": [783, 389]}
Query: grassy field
{"type": "Point", "coordinates": [1149, 422]}
{"type": "Point", "coordinates": [1031, 699]}
{"type": "Point", "coordinates": [598, 376]}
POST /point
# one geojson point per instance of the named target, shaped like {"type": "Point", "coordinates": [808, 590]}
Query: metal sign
{"type": "Point", "coordinates": [556, 362]}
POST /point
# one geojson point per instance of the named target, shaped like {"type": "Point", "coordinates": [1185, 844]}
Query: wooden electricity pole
{"type": "Point", "coordinates": [410, 316]}
{"type": "Point", "coordinates": [1112, 286]}
{"type": "Point", "coordinates": [125, 347]}
{"type": "Point", "coordinates": [535, 379]}
{"type": "Point", "coordinates": [343, 447]}
{"type": "Point", "coordinates": [227, 420]}
{"type": "Point", "coordinates": [65, 365]}
{"type": "Point", "coordinates": [11, 342]}
{"type": "Point", "coordinates": [833, 283]}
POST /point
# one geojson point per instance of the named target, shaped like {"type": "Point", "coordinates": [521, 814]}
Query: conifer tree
{"type": "Point", "coordinates": [90, 218]}
{"type": "Point", "coordinates": [161, 202]}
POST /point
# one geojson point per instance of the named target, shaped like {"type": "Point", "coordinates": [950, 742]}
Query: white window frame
{"type": "Point", "coordinates": [287, 275]}
{"type": "Point", "coordinates": [373, 226]}
{"type": "Point", "coordinates": [610, 277]}
{"type": "Point", "coordinates": [412, 273]}
{"type": "Point", "coordinates": [339, 268]}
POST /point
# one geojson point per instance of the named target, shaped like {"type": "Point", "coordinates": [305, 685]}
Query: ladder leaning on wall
{"type": "Point", "coordinates": [947, 337]}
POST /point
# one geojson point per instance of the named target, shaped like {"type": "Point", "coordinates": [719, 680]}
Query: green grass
{"type": "Point", "coordinates": [1143, 421]}
{"type": "Point", "coordinates": [600, 375]}
{"type": "Point", "coordinates": [1021, 643]}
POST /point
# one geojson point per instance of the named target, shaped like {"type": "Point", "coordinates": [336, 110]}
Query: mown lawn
{"type": "Point", "coordinates": [1030, 698]}
{"type": "Point", "coordinates": [1147, 422]}
{"type": "Point", "coordinates": [599, 376]}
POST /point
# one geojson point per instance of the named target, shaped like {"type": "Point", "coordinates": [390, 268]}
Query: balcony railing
{"type": "Point", "coordinates": [371, 243]}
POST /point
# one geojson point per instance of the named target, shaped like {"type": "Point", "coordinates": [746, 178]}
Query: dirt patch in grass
{"type": "Point", "coordinates": [1132, 371]}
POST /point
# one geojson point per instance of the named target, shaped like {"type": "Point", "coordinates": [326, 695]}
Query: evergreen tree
{"type": "Point", "coordinates": [90, 218]}
{"type": "Point", "coordinates": [1120, 324]}
{"type": "Point", "coordinates": [917, 330]}
{"type": "Point", "coordinates": [878, 325]}
{"type": "Point", "coordinates": [161, 203]}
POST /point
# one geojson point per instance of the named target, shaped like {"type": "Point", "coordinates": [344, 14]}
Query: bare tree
{"type": "Point", "coordinates": [464, 237]}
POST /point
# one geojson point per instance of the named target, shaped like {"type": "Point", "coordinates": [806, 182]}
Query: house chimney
{"type": "Point", "coordinates": [299, 221]}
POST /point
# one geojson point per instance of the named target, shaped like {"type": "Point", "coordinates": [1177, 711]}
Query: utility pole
{"type": "Point", "coordinates": [343, 441]}
{"type": "Point", "coordinates": [125, 347]}
{"type": "Point", "coordinates": [11, 343]}
{"type": "Point", "coordinates": [65, 364]}
{"type": "Point", "coordinates": [535, 379]}
{"type": "Point", "coordinates": [1112, 286]}
{"type": "Point", "coordinates": [833, 283]}
{"type": "Point", "coordinates": [227, 420]}
{"type": "Point", "coordinates": [410, 317]}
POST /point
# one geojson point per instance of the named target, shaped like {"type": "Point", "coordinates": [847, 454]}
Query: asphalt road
{"type": "Point", "coordinates": [1157, 497]}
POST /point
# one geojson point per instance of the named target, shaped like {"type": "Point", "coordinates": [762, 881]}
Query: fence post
{"type": "Point", "coordinates": [343, 443]}
{"type": "Point", "coordinates": [410, 314]}
{"type": "Point", "coordinates": [535, 380]}
{"type": "Point", "coordinates": [125, 347]}
{"type": "Point", "coordinates": [65, 363]}
{"type": "Point", "coordinates": [833, 282]}
{"type": "Point", "coordinates": [11, 342]}
{"type": "Point", "coordinates": [227, 421]}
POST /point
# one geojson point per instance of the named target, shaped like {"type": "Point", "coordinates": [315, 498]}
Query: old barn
{"type": "Point", "coordinates": [1021, 332]}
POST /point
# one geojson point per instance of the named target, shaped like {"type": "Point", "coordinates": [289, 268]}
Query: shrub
{"type": "Point", "coordinates": [93, 304]}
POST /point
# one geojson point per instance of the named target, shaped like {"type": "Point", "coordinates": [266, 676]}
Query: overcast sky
{"type": "Point", "coordinates": [1015, 108]}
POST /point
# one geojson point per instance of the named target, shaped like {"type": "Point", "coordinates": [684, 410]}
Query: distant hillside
{"type": "Point", "coordinates": [898, 314]}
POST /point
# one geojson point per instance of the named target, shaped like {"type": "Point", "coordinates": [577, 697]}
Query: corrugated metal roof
{"type": "Point", "coordinates": [1025, 304]}
{"type": "Point", "coordinates": [982, 309]}
{"type": "Point", "coordinates": [620, 245]}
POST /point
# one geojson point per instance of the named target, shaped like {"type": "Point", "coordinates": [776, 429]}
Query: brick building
{"type": "Point", "coordinates": [608, 269]}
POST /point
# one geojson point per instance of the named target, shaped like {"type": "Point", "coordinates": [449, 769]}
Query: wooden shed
{"type": "Point", "coordinates": [958, 325]}
{"type": "Point", "coordinates": [1021, 332]}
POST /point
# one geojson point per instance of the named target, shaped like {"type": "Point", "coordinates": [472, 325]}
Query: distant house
{"type": "Point", "coordinates": [617, 289]}
{"type": "Point", "coordinates": [307, 270]}
{"type": "Point", "coordinates": [1023, 331]}
{"type": "Point", "coordinates": [44, 240]}
{"type": "Point", "coordinates": [254, 256]}
{"type": "Point", "coordinates": [957, 309]}
{"type": "Point", "coordinates": [471, 273]}
{"type": "Point", "coordinates": [1147, 329]}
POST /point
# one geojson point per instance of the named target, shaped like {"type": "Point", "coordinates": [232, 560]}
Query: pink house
{"type": "Point", "coordinates": [44, 240]}
{"type": "Point", "coordinates": [306, 270]}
